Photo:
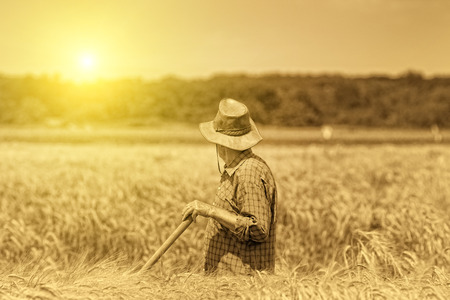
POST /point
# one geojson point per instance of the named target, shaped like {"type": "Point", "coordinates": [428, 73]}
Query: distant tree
{"type": "Point", "coordinates": [293, 100]}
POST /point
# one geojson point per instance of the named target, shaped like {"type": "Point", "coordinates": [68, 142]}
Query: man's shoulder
{"type": "Point", "coordinates": [253, 167]}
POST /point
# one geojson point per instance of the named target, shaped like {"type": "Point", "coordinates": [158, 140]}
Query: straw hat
{"type": "Point", "coordinates": [232, 127]}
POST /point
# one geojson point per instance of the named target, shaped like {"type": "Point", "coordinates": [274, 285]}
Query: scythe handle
{"type": "Point", "coordinates": [166, 245]}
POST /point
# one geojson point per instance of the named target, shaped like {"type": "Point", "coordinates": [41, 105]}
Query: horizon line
{"type": "Point", "coordinates": [391, 75]}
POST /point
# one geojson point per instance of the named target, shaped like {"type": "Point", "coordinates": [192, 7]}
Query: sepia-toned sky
{"type": "Point", "coordinates": [196, 38]}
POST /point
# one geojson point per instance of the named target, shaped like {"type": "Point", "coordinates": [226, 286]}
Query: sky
{"type": "Point", "coordinates": [83, 40]}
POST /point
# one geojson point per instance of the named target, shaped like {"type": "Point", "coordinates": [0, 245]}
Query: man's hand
{"type": "Point", "coordinates": [197, 208]}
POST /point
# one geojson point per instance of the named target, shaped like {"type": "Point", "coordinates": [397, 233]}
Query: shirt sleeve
{"type": "Point", "coordinates": [255, 208]}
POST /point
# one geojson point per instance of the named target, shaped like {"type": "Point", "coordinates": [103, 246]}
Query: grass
{"type": "Point", "coordinates": [356, 221]}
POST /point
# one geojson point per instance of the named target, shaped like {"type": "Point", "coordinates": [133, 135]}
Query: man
{"type": "Point", "coordinates": [240, 235]}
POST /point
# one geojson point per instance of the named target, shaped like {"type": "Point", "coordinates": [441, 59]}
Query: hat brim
{"type": "Point", "coordinates": [239, 143]}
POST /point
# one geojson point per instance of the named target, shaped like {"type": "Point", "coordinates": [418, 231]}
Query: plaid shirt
{"type": "Point", "coordinates": [248, 188]}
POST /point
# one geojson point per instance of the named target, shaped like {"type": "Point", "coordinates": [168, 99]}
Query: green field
{"type": "Point", "coordinates": [363, 215]}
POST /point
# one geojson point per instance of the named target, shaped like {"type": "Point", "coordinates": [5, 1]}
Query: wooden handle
{"type": "Point", "coordinates": [166, 245]}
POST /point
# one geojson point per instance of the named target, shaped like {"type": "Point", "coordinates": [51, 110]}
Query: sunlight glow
{"type": "Point", "coordinates": [87, 61]}
{"type": "Point", "coordinates": [86, 67]}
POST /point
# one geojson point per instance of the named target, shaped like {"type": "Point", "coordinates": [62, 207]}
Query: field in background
{"type": "Point", "coordinates": [80, 208]}
{"type": "Point", "coordinates": [183, 133]}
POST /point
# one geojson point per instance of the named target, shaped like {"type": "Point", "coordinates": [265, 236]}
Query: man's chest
{"type": "Point", "coordinates": [226, 194]}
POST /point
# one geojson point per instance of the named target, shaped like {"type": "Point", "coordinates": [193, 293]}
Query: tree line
{"type": "Point", "coordinates": [409, 100]}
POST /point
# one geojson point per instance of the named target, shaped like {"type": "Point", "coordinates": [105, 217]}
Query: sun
{"type": "Point", "coordinates": [87, 61]}
{"type": "Point", "coordinates": [87, 67]}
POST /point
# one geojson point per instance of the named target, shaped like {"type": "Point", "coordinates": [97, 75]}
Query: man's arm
{"type": "Point", "coordinates": [226, 218]}
{"type": "Point", "coordinates": [244, 227]}
{"type": "Point", "coordinates": [253, 203]}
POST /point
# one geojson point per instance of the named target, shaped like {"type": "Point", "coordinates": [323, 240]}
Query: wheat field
{"type": "Point", "coordinates": [354, 221]}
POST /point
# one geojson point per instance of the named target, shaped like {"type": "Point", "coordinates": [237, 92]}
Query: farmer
{"type": "Point", "coordinates": [240, 235]}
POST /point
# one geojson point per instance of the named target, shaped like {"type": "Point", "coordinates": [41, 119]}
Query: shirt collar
{"type": "Point", "coordinates": [238, 161]}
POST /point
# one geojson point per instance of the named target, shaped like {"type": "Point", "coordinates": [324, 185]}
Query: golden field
{"type": "Point", "coordinates": [355, 220]}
